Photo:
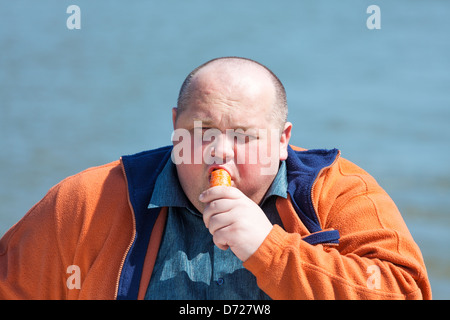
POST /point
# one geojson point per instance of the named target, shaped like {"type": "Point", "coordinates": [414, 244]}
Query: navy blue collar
{"type": "Point", "coordinates": [169, 193]}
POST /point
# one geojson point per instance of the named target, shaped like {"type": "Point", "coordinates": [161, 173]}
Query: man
{"type": "Point", "coordinates": [295, 224]}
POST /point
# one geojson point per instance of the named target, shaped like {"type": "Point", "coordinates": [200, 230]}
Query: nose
{"type": "Point", "coordinates": [222, 149]}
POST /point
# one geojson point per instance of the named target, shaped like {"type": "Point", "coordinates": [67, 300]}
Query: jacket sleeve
{"type": "Point", "coordinates": [30, 260]}
{"type": "Point", "coordinates": [376, 258]}
{"type": "Point", "coordinates": [71, 243]}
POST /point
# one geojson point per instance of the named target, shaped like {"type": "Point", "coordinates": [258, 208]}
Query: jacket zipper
{"type": "Point", "coordinates": [314, 184]}
{"type": "Point", "coordinates": [132, 238]}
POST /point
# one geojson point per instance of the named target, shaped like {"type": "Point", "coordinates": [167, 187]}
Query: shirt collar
{"type": "Point", "coordinates": [279, 184]}
{"type": "Point", "coordinates": [169, 193]}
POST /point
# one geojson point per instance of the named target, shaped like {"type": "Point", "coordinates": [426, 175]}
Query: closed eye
{"type": "Point", "coordinates": [244, 137]}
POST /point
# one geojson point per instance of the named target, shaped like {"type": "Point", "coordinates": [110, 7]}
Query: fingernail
{"type": "Point", "coordinates": [201, 196]}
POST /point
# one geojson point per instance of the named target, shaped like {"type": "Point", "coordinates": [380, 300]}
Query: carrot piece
{"type": "Point", "coordinates": [220, 177]}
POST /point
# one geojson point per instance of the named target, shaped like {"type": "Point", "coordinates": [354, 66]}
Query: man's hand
{"type": "Point", "coordinates": [234, 220]}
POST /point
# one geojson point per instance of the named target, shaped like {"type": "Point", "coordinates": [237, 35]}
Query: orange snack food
{"type": "Point", "coordinates": [220, 177]}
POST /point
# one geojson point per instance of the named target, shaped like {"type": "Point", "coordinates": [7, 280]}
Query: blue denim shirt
{"type": "Point", "coordinates": [188, 264]}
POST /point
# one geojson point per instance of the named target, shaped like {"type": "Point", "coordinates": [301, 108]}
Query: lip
{"type": "Point", "coordinates": [215, 167]}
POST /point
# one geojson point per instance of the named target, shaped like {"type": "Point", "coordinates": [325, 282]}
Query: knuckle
{"type": "Point", "coordinates": [219, 238]}
{"type": "Point", "coordinates": [213, 205]}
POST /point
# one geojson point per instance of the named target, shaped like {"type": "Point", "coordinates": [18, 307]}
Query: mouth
{"type": "Point", "coordinates": [216, 167]}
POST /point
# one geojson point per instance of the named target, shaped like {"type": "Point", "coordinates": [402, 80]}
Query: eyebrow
{"type": "Point", "coordinates": [203, 121]}
{"type": "Point", "coordinates": [209, 123]}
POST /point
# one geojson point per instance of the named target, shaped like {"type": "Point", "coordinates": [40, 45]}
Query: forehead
{"type": "Point", "coordinates": [232, 99]}
{"type": "Point", "coordinates": [225, 113]}
{"type": "Point", "coordinates": [227, 118]}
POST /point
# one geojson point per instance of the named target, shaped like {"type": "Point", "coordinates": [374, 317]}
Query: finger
{"type": "Point", "coordinates": [222, 247]}
{"type": "Point", "coordinates": [219, 192]}
{"type": "Point", "coordinates": [216, 207]}
{"type": "Point", "coordinates": [220, 221]}
{"type": "Point", "coordinates": [220, 238]}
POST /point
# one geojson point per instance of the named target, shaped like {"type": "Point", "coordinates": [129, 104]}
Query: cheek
{"type": "Point", "coordinates": [258, 154]}
{"type": "Point", "coordinates": [190, 175]}
{"type": "Point", "coordinates": [249, 177]}
{"type": "Point", "coordinates": [252, 183]}
{"type": "Point", "coordinates": [257, 164]}
{"type": "Point", "coordinates": [248, 153]}
{"type": "Point", "coordinates": [193, 181]}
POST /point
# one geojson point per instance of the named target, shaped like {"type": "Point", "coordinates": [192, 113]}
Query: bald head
{"type": "Point", "coordinates": [237, 76]}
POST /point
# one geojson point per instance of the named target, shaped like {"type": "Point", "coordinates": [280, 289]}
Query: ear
{"type": "Point", "coordinates": [284, 140]}
{"type": "Point", "coordinates": [174, 116]}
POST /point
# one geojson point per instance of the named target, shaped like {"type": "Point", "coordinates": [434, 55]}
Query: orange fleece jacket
{"type": "Point", "coordinates": [86, 221]}
{"type": "Point", "coordinates": [376, 258]}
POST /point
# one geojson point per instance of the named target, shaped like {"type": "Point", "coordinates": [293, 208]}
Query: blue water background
{"type": "Point", "coordinates": [72, 99]}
